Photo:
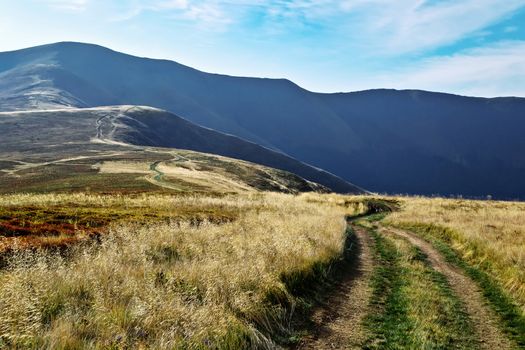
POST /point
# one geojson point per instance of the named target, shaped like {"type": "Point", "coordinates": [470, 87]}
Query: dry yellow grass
{"type": "Point", "coordinates": [171, 285]}
{"type": "Point", "coordinates": [490, 234]}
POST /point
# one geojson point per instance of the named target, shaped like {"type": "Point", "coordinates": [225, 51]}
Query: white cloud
{"type": "Point", "coordinates": [205, 12]}
{"type": "Point", "coordinates": [68, 5]}
{"type": "Point", "coordinates": [497, 70]}
{"type": "Point", "coordinates": [417, 25]}
{"type": "Point", "coordinates": [385, 26]}
{"type": "Point", "coordinates": [403, 26]}
{"type": "Point", "coordinates": [172, 4]}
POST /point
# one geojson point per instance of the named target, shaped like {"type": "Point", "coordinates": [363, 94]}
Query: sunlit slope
{"type": "Point", "coordinates": [111, 149]}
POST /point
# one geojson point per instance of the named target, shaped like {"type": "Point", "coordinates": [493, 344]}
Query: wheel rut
{"type": "Point", "coordinates": [483, 318]}
{"type": "Point", "coordinates": [337, 323]}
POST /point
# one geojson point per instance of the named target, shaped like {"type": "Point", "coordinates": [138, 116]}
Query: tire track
{"type": "Point", "coordinates": [109, 118]}
{"type": "Point", "coordinates": [338, 323]}
{"type": "Point", "coordinates": [484, 320]}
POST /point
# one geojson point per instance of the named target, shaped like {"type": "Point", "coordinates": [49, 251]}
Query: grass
{"type": "Point", "coordinates": [488, 235]}
{"type": "Point", "coordinates": [511, 317]}
{"type": "Point", "coordinates": [132, 172]}
{"type": "Point", "coordinates": [221, 271]}
{"type": "Point", "coordinates": [440, 319]}
{"type": "Point", "coordinates": [413, 306]}
{"type": "Point", "coordinates": [58, 219]}
{"type": "Point", "coordinates": [388, 321]}
{"type": "Point", "coordinates": [74, 178]}
{"type": "Point", "coordinates": [175, 282]}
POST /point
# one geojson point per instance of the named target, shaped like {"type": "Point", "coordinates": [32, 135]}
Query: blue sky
{"type": "Point", "coordinates": [471, 47]}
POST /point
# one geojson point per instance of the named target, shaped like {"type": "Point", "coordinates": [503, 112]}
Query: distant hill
{"type": "Point", "coordinates": [384, 140]}
{"type": "Point", "coordinates": [131, 148]}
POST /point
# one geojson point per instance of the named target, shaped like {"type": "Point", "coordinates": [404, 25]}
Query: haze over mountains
{"type": "Point", "coordinates": [383, 140]}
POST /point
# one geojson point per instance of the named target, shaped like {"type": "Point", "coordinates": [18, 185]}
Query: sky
{"type": "Point", "coordinates": [468, 47]}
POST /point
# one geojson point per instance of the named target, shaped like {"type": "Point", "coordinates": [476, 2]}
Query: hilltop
{"type": "Point", "coordinates": [383, 140]}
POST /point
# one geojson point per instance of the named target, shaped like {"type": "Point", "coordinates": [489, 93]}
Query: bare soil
{"type": "Point", "coordinates": [337, 324]}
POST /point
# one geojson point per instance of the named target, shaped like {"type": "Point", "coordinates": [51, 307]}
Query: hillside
{"type": "Point", "coordinates": [110, 149]}
{"type": "Point", "coordinates": [384, 140]}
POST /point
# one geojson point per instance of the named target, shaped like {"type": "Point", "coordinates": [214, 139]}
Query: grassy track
{"type": "Point", "coordinates": [413, 305]}
{"type": "Point", "coordinates": [511, 318]}
{"type": "Point", "coordinates": [388, 321]}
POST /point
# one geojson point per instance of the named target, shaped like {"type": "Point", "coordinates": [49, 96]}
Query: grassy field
{"type": "Point", "coordinates": [167, 272]}
{"type": "Point", "coordinates": [487, 234]}
{"type": "Point", "coordinates": [246, 270]}
{"type": "Point", "coordinates": [161, 171]}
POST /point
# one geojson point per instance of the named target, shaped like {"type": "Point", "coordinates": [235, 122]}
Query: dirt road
{"type": "Point", "coordinates": [337, 324]}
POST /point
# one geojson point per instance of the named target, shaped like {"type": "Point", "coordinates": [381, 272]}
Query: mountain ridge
{"type": "Point", "coordinates": [386, 140]}
{"type": "Point", "coordinates": [97, 46]}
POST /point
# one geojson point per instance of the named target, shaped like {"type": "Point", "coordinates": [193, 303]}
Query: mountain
{"type": "Point", "coordinates": [105, 149]}
{"type": "Point", "coordinates": [146, 126]}
{"type": "Point", "coordinates": [384, 140]}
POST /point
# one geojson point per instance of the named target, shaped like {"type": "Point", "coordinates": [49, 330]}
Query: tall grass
{"type": "Point", "coordinates": [487, 234]}
{"type": "Point", "coordinates": [171, 285]}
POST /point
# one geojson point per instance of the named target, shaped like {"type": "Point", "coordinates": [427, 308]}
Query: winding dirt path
{"type": "Point", "coordinates": [157, 177]}
{"type": "Point", "coordinates": [108, 121]}
{"type": "Point", "coordinates": [338, 323]}
{"type": "Point", "coordinates": [484, 320]}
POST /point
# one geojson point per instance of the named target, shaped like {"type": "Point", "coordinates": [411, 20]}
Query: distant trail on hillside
{"type": "Point", "coordinates": [157, 177]}
{"type": "Point", "coordinates": [108, 120]}
{"type": "Point", "coordinates": [483, 319]}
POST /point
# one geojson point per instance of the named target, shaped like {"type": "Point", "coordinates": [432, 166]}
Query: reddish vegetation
{"type": "Point", "coordinates": [42, 235]}
{"type": "Point", "coordinates": [60, 226]}
{"type": "Point", "coordinates": [15, 228]}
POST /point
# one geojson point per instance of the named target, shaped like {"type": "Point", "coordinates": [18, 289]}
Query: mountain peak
{"type": "Point", "coordinates": [400, 141]}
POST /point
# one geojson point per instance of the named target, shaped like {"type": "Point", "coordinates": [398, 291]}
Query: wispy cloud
{"type": "Point", "coordinates": [414, 25]}
{"type": "Point", "coordinates": [491, 71]}
{"type": "Point", "coordinates": [390, 27]}
{"type": "Point", "coordinates": [205, 12]}
{"type": "Point", "coordinates": [401, 26]}
{"type": "Point", "coordinates": [68, 5]}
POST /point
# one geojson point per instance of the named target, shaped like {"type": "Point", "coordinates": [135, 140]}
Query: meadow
{"type": "Point", "coordinates": [177, 280]}
{"type": "Point", "coordinates": [248, 270]}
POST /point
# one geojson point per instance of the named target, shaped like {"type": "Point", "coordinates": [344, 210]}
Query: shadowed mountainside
{"type": "Point", "coordinates": [384, 140]}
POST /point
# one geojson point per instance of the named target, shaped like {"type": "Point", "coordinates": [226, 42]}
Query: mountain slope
{"type": "Point", "coordinates": [446, 143]}
{"type": "Point", "coordinates": [58, 149]}
{"type": "Point", "coordinates": [385, 140]}
{"type": "Point", "coordinates": [153, 127]}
